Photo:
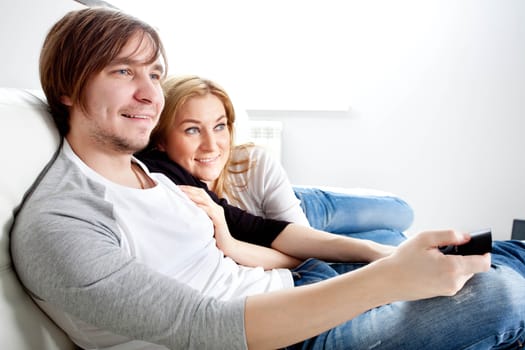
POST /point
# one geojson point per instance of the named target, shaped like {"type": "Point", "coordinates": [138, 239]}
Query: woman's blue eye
{"type": "Point", "coordinates": [220, 127]}
{"type": "Point", "coordinates": [155, 76]}
{"type": "Point", "coordinates": [192, 131]}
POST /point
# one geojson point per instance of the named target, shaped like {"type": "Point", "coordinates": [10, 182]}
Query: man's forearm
{"type": "Point", "coordinates": [275, 320]}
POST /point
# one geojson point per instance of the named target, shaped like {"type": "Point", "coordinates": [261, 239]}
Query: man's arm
{"type": "Point", "coordinates": [416, 270]}
{"type": "Point", "coordinates": [78, 266]}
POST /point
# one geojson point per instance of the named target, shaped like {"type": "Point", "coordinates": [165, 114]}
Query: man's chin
{"type": "Point", "coordinates": [129, 147]}
{"type": "Point", "coordinates": [140, 147]}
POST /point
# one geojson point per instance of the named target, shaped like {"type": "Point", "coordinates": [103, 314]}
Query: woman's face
{"type": "Point", "coordinates": [200, 139]}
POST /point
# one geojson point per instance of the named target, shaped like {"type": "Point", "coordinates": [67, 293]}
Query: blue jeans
{"type": "Point", "coordinates": [379, 218]}
{"type": "Point", "coordinates": [488, 313]}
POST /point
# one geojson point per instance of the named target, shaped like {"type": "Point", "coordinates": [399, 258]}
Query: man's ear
{"type": "Point", "coordinates": [66, 100]}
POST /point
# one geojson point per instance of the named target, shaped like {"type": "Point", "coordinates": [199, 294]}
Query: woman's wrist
{"type": "Point", "coordinates": [378, 251]}
{"type": "Point", "coordinates": [367, 251]}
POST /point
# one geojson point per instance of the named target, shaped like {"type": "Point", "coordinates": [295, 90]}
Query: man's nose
{"type": "Point", "coordinates": [147, 90]}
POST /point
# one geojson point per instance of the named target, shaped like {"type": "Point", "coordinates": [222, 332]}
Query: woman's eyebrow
{"type": "Point", "coordinates": [199, 121]}
{"type": "Point", "coordinates": [191, 120]}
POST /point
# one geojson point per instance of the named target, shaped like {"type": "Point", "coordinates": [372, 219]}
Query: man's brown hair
{"type": "Point", "coordinates": [82, 44]}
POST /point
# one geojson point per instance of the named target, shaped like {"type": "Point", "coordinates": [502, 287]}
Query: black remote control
{"type": "Point", "coordinates": [479, 244]}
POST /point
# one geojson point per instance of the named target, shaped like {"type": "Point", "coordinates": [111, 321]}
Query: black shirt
{"type": "Point", "coordinates": [242, 225]}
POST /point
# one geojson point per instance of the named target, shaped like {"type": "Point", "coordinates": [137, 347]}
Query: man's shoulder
{"type": "Point", "coordinates": [62, 177]}
{"type": "Point", "coordinates": [59, 189]}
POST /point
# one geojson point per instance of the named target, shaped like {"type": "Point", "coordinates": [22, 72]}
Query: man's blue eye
{"type": "Point", "coordinates": [123, 71]}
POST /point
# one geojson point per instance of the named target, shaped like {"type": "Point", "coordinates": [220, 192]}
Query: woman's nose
{"type": "Point", "coordinates": [208, 141]}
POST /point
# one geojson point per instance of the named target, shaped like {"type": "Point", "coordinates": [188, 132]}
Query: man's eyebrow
{"type": "Point", "coordinates": [129, 61]}
{"type": "Point", "coordinates": [159, 67]}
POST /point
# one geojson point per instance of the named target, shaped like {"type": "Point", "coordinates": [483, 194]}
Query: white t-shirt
{"type": "Point", "coordinates": [180, 241]}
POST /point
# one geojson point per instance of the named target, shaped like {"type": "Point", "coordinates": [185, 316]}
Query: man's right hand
{"type": "Point", "coordinates": [422, 271]}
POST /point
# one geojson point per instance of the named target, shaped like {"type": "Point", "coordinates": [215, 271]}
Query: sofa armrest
{"type": "Point", "coordinates": [340, 210]}
{"type": "Point", "coordinates": [28, 140]}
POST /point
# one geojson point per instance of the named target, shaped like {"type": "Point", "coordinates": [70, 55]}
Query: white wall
{"type": "Point", "coordinates": [436, 95]}
{"type": "Point", "coordinates": [437, 116]}
{"type": "Point", "coordinates": [23, 26]}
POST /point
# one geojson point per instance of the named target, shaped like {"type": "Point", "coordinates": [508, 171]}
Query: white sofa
{"type": "Point", "coordinates": [28, 140]}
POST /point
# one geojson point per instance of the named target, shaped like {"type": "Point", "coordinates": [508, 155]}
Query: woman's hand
{"type": "Point", "coordinates": [242, 253]}
{"type": "Point", "coordinates": [215, 213]}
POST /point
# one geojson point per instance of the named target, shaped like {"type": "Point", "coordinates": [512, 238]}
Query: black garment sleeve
{"type": "Point", "coordinates": [242, 225]}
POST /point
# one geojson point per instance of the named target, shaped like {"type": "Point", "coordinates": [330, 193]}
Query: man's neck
{"type": "Point", "coordinates": [112, 165]}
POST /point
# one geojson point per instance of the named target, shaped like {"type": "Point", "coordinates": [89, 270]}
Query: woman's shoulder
{"type": "Point", "coordinates": [251, 152]}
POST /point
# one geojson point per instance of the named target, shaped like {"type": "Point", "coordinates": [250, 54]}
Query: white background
{"type": "Point", "coordinates": [435, 90]}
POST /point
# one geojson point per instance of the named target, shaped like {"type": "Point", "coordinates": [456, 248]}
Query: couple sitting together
{"type": "Point", "coordinates": [129, 239]}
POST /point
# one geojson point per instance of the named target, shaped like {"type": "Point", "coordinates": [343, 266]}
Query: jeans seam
{"type": "Point", "coordinates": [520, 339]}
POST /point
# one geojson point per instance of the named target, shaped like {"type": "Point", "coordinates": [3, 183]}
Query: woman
{"type": "Point", "coordinates": [196, 131]}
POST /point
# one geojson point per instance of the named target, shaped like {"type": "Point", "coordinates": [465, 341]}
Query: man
{"type": "Point", "coordinates": [121, 258]}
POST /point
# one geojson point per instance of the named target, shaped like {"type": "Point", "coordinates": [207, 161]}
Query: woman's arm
{"type": "Point", "coordinates": [306, 242]}
{"type": "Point", "coordinates": [241, 224]}
{"type": "Point", "coordinates": [243, 253]}
{"type": "Point", "coordinates": [416, 270]}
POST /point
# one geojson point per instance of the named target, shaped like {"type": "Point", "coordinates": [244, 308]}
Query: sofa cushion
{"type": "Point", "coordinates": [28, 140]}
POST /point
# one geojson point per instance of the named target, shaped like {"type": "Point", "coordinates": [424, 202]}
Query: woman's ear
{"type": "Point", "coordinates": [66, 100]}
{"type": "Point", "coordinates": [161, 147]}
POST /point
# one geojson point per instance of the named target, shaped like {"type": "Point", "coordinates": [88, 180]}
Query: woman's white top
{"type": "Point", "coordinates": [265, 189]}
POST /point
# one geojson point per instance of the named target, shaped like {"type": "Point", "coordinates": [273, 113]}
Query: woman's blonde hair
{"type": "Point", "coordinates": [177, 91]}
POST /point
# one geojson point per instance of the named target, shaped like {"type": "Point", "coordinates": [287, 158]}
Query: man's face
{"type": "Point", "coordinates": [122, 102]}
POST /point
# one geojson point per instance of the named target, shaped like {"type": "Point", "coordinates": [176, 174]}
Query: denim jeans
{"type": "Point", "coordinates": [488, 313]}
{"type": "Point", "coordinates": [379, 218]}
